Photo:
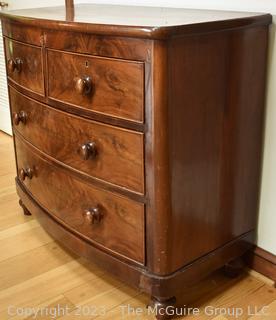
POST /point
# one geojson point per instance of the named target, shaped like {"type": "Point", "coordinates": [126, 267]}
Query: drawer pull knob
{"type": "Point", "coordinates": [84, 85]}
{"type": "Point", "coordinates": [15, 65]}
{"type": "Point", "coordinates": [93, 215]}
{"type": "Point", "coordinates": [20, 117]}
{"type": "Point", "coordinates": [25, 173]}
{"type": "Point", "coordinates": [88, 150]}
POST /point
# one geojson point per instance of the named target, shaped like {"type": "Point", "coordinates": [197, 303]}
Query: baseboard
{"type": "Point", "coordinates": [263, 262]}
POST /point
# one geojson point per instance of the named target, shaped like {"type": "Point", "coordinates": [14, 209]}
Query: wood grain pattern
{"type": "Point", "coordinates": [199, 102]}
{"type": "Point", "coordinates": [26, 34]}
{"type": "Point", "coordinates": [119, 153]}
{"type": "Point", "coordinates": [215, 189]}
{"type": "Point", "coordinates": [156, 286]}
{"type": "Point", "coordinates": [30, 75]}
{"type": "Point", "coordinates": [108, 46]}
{"type": "Point", "coordinates": [117, 86]}
{"type": "Point", "coordinates": [263, 262]}
{"type": "Point", "coordinates": [122, 227]}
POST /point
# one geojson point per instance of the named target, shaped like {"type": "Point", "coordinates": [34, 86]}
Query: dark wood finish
{"type": "Point", "coordinates": [20, 116]}
{"type": "Point", "coordinates": [121, 218]}
{"type": "Point", "coordinates": [26, 173]}
{"type": "Point", "coordinates": [157, 157]}
{"type": "Point", "coordinates": [108, 86]}
{"type": "Point", "coordinates": [25, 210]}
{"type": "Point", "coordinates": [22, 33]}
{"type": "Point", "coordinates": [85, 113]}
{"type": "Point", "coordinates": [108, 46]}
{"type": "Point", "coordinates": [162, 307]}
{"type": "Point", "coordinates": [215, 189]}
{"type": "Point", "coordinates": [263, 262]}
{"type": "Point", "coordinates": [234, 269]}
{"type": "Point", "coordinates": [24, 64]}
{"type": "Point", "coordinates": [83, 85]}
{"type": "Point", "coordinates": [178, 165]}
{"type": "Point", "coordinates": [88, 150]}
{"type": "Point", "coordinates": [158, 23]}
{"type": "Point", "coordinates": [154, 285]}
{"type": "Point", "coordinates": [97, 45]}
{"type": "Point", "coordinates": [14, 65]}
{"type": "Point", "coordinates": [69, 4]}
{"type": "Point", "coordinates": [94, 215]}
{"type": "Point", "coordinates": [115, 155]}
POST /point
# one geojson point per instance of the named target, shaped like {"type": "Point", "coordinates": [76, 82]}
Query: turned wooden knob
{"type": "Point", "coordinates": [93, 215]}
{"type": "Point", "coordinates": [20, 117]}
{"type": "Point", "coordinates": [88, 150]}
{"type": "Point", "coordinates": [15, 64]}
{"type": "Point", "coordinates": [83, 85]}
{"type": "Point", "coordinates": [25, 173]}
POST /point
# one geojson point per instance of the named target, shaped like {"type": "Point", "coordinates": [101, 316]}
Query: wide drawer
{"type": "Point", "coordinates": [109, 153]}
{"type": "Point", "coordinates": [109, 220]}
{"type": "Point", "coordinates": [24, 65]}
{"type": "Point", "coordinates": [108, 86]}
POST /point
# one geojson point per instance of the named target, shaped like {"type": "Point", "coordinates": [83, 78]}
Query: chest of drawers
{"type": "Point", "coordinates": [138, 135]}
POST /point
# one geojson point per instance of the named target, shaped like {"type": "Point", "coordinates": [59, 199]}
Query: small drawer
{"type": "Point", "coordinates": [108, 220]}
{"type": "Point", "coordinates": [24, 65]}
{"type": "Point", "coordinates": [108, 86]}
{"type": "Point", "coordinates": [109, 153]}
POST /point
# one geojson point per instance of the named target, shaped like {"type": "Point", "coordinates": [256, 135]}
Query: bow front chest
{"type": "Point", "coordinates": [138, 135]}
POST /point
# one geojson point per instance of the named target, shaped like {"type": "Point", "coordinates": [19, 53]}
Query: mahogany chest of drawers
{"type": "Point", "coordinates": [138, 135]}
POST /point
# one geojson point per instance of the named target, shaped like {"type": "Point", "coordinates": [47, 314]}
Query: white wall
{"type": "Point", "coordinates": [22, 4]}
{"type": "Point", "coordinates": [267, 217]}
{"type": "Point", "coordinates": [238, 5]}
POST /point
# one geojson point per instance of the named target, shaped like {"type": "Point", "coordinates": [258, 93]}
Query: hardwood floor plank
{"type": "Point", "coordinates": [23, 242]}
{"type": "Point", "coordinates": [11, 214]}
{"type": "Point", "coordinates": [50, 309]}
{"type": "Point", "coordinates": [225, 296]}
{"type": "Point", "coordinates": [47, 285]}
{"type": "Point", "coordinates": [254, 301]}
{"type": "Point", "coordinates": [7, 180]}
{"type": "Point", "coordinates": [261, 277]}
{"type": "Point", "coordinates": [5, 138]}
{"type": "Point", "coordinates": [120, 311]}
{"type": "Point", "coordinates": [7, 190]}
{"type": "Point", "coordinates": [30, 264]}
{"type": "Point", "coordinates": [211, 286]}
{"type": "Point", "coordinates": [92, 289]}
{"type": "Point", "coordinates": [58, 306]}
{"type": "Point", "coordinates": [270, 313]}
{"type": "Point", "coordinates": [13, 231]}
{"type": "Point", "coordinates": [101, 303]}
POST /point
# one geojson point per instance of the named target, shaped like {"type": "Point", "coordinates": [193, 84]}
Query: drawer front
{"type": "Point", "coordinates": [108, 153]}
{"type": "Point", "coordinates": [109, 220]}
{"type": "Point", "coordinates": [108, 86]}
{"type": "Point", "coordinates": [24, 65]}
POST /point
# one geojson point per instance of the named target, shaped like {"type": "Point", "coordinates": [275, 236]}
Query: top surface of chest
{"type": "Point", "coordinates": [145, 22]}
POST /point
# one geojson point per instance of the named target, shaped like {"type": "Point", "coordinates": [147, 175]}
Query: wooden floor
{"type": "Point", "coordinates": [37, 275]}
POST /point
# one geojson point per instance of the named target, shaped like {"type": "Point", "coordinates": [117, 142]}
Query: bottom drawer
{"type": "Point", "coordinates": [109, 220]}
